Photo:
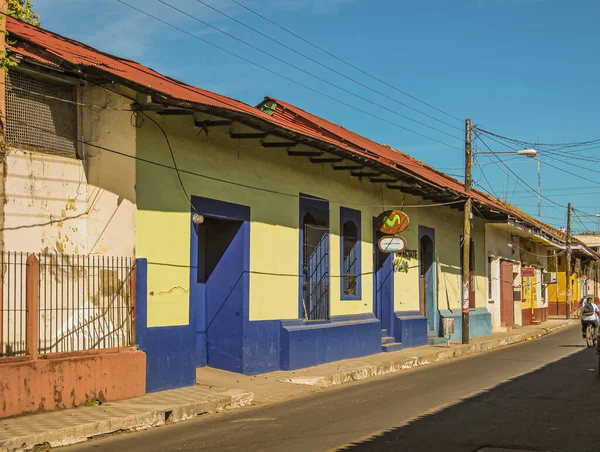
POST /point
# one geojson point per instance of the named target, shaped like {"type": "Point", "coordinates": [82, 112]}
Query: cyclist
{"type": "Point", "coordinates": [590, 313]}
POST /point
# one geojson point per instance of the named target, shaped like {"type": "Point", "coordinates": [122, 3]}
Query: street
{"type": "Point", "coordinates": [540, 395]}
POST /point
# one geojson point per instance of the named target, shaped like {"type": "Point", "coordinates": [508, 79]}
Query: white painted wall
{"type": "Point", "coordinates": [75, 206]}
{"type": "Point", "coordinates": [496, 242]}
{"type": "Point", "coordinates": [69, 205]}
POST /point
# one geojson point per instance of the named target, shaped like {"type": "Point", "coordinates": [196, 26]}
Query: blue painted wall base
{"type": "Point", "coordinates": [170, 351]}
{"type": "Point", "coordinates": [480, 322]}
{"type": "Point", "coordinates": [410, 328]}
{"type": "Point", "coordinates": [309, 344]}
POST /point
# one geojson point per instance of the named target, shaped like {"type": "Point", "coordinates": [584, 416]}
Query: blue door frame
{"type": "Point", "coordinates": [220, 282]}
{"type": "Point", "coordinates": [427, 257]}
{"type": "Point", "coordinates": [383, 283]}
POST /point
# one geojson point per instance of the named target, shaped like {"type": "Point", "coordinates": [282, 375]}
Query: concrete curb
{"type": "Point", "coordinates": [365, 372]}
{"type": "Point", "coordinates": [140, 421]}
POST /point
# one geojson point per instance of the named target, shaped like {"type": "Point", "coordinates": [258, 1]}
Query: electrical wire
{"type": "Point", "coordinates": [344, 61]}
{"type": "Point", "coordinates": [335, 71]}
{"type": "Point", "coordinates": [304, 71]}
{"type": "Point", "coordinates": [476, 131]}
{"type": "Point", "coordinates": [139, 115]}
{"type": "Point", "coordinates": [270, 71]}
{"type": "Point", "coordinates": [238, 184]}
{"type": "Point", "coordinates": [164, 133]}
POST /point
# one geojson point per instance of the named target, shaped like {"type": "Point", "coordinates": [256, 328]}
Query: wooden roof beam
{"type": "Point", "coordinates": [213, 123]}
{"type": "Point", "coordinates": [326, 159]}
{"type": "Point", "coordinates": [305, 153]}
{"type": "Point", "coordinates": [365, 173]}
{"type": "Point", "coordinates": [278, 144]}
{"type": "Point", "coordinates": [248, 135]}
{"type": "Point", "coordinates": [347, 167]}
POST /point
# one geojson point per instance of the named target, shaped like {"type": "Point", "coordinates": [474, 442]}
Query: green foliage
{"type": "Point", "coordinates": [22, 10]}
{"type": "Point", "coordinates": [93, 402]}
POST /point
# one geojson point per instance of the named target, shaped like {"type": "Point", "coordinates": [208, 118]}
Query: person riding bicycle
{"type": "Point", "coordinates": [590, 313]}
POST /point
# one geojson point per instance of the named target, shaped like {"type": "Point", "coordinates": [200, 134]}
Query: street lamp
{"type": "Point", "coordinates": [530, 153]}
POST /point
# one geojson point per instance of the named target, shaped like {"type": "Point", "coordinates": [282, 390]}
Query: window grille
{"type": "Point", "coordinates": [41, 113]}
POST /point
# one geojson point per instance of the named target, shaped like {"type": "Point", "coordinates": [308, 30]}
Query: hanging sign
{"type": "Point", "coordinates": [527, 271]}
{"type": "Point", "coordinates": [392, 222]}
{"type": "Point", "coordinates": [392, 244]}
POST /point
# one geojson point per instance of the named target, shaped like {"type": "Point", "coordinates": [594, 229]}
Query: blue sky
{"type": "Point", "coordinates": [527, 69]}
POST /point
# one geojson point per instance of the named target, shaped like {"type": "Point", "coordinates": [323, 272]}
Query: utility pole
{"type": "Point", "coordinates": [466, 274]}
{"type": "Point", "coordinates": [568, 269]}
{"type": "Point", "coordinates": [539, 193]}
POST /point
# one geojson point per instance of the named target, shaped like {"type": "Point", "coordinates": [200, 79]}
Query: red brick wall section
{"type": "Point", "coordinates": [557, 308]}
{"type": "Point", "coordinates": [541, 314]}
{"type": "Point", "coordinates": [67, 382]}
{"type": "Point", "coordinates": [526, 317]}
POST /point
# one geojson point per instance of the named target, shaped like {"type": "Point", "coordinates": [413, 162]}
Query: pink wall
{"type": "Point", "coordinates": [67, 381]}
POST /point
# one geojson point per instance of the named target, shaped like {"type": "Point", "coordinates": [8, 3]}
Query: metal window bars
{"type": "Point", "coordinates": [83, 303]}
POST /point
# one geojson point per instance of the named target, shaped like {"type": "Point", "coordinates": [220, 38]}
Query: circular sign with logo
{"type": "Point", "coordinates": [392, 244]}
{"type": "Point", "coordinates": [392, 222]}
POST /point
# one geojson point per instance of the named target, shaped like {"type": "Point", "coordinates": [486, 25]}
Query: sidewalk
{"type": "Point", "coordinates": [210, 396]}
{"type": "Point", "coordinates": [276, 387]}
{"type": "Point", "coordinates": [59, 428]}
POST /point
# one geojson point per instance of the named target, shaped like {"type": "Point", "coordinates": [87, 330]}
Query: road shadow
{"type": "Point", "coordinates": [554, 408]}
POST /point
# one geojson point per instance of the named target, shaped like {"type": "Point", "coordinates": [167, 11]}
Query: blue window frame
{"type": "Point", "coordinates": [314, 259]}
{"type": "Point", "coordinates": [350, 254]}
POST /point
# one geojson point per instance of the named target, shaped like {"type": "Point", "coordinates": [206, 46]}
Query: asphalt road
{"type": "Point", "coordinates": [540, 395]}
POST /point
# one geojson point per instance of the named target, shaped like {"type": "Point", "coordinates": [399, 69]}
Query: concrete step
{"type": "Point", "coordinates": [384, 333]}
{"type": "Point", "coordinates": [434, 340]}
{"type": "Point", "coordinates": [392, 347]}
{"type": "Point", "coordinates": [387, 340]}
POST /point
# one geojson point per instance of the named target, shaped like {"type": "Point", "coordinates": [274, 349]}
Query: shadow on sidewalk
{"type": "Point", "coordinates": [551, 409]}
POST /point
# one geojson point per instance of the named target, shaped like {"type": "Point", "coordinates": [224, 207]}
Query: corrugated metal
{"type": "Point", "coordinates": [42, 44]}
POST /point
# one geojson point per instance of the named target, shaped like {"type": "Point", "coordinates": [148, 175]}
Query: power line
{"type": "Point", "coordinates": [304, 71]}
{"type": "Point", "coordinates": [239, 184]}
{"type": "Point", "coordinates": [529, 143]}
{"type": "Point", "coordinates": [335, 71]}
{"type": "Point", "coordinates": [188, 197]}
{"type": "Point", "coordinates": [509, 169]}
{"type": "Point", "coordinates": [270, 71]}
{"type": "Point", "coordinates": [569, 172]}
{"type": "Point", "coordinates": [100, 107]}
{"type": "Point", "coordinates": [342, 60]}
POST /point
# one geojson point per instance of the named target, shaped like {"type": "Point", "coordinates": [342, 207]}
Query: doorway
{"type": "Point", "coordinates": [427, 278]}
{"type": "Point", "coordinates": [383, 282]}
{"type": "Point", "coordinates": [219, 286]}
{"type": "Point", "coordinates": [507, 305]}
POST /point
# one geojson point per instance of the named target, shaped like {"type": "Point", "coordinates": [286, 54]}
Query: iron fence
{"type": "Point", "coordinates": [79, 302]}
{"type": "Point", "coordinates": [13, 306]}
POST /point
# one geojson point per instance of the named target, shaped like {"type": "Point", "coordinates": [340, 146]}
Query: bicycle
{"type": "Point", "coordinates": [590, 336]}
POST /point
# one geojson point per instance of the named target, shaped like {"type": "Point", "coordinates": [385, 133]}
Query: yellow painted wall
{"type": "Point", "coordinates": [576, 283]}
{"type": "Point", "coordinates": [163, 216]}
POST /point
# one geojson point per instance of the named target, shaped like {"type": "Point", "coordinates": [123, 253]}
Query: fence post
{"type": "Point", "coordinates": [132, 291]}
{"type": "Point", "coordinates": [2, 351]}
{"type": "Point", "coordinates": [32, 300]}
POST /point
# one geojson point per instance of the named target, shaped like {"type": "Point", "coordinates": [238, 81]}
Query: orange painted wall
{"type": "Point", "coordinates": [67, 382]}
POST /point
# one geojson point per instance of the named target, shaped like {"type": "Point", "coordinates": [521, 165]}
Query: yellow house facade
{"type": "Point", "coordinates": [247, 255]}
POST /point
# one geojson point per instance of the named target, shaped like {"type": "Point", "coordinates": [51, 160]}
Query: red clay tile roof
{"type": "Point", "coordinates": [296, 117]}
{"type": "Point", "coordinates": [52, 49]}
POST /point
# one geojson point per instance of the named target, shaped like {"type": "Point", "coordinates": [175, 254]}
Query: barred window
{"type": "Point", "coordinates": [41, 113]}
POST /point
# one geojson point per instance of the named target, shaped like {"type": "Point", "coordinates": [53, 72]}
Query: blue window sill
{"type": "Point", "coordinates": [351, 297]}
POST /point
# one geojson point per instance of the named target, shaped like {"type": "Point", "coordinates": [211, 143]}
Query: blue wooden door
{"type": "Point", "coordinates": [383, 282]}
{"type": "Point", "coordinates": [224, 292]}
